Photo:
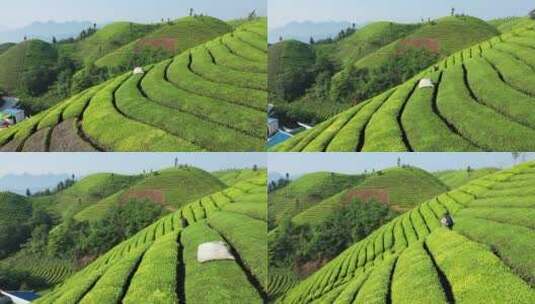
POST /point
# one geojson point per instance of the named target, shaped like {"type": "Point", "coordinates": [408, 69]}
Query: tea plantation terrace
{"type": "Point", "coordinates": [210, 98]}
{"type": "Point", "coordinates": [486, 257]}
{"type": "Point", "coordinates": [481, 100]}
{"type": "Point", "coordinates": [159, 264]}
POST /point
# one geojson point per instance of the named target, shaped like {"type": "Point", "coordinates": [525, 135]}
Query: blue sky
{"type": "Point", "coordinates": [281, 12]}
{"type": "Point", "coordinates": [16, 13]}
{"type": "Point", "coordinates": [300, 163]}
{"type": "Point", "coordinates": [85, 163]}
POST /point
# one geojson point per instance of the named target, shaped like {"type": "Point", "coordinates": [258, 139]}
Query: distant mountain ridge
{"type": "Point", "coordinates": [44, 31]}
{"type": "Point", "coordinates": [18, 183]}
{"type": "Point", "coordinates": [302, 31]}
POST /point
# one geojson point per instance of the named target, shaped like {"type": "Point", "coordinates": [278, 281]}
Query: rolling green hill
{"type": "Point", "coordinates": [481, 101]}
{"type": "Point", "coordinates": [22, 57]}
{"type": "Point", "coordinates": [486, 257]}
{"type": "Point", "coordinates": [289, 63]}
{"type": "Point", "coordinates": [370, 39]}
{"type": "Point", "coordinates": [307, 191]}
{"type": "Point", "coordinates": [211, 98]}
{"type": "Point", "coordinates": [456, 178]}
{"type": "Point", "coordinates": [404, 187]}
{"type": "Point", "coordinates": [172, 39]}
{"type": "Point", "coordinates": [159, 264]}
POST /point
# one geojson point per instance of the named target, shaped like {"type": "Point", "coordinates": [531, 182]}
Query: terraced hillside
{"type": "Point", "coordinates": [159, 264]}
{"type": "Point", "coordinates": [485, 258]}
{"type": "Point", "coordinates": [211, 98]}
{"type": "Point", "coordinates": [482, 100]}
{"type": "Point", "coordinates": [456, 178]}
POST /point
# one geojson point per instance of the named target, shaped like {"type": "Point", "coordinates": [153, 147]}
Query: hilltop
{"type": "Point", "coordinates": [169, 38]}
{"type": "Point", "coordinates": [484, 258]}
{"type": "Point", "coordinates": [23, 57]}
{"type": "Point", "coordinates": [211, 98]}
{"type": "Point", "coordinates": [449, 116]}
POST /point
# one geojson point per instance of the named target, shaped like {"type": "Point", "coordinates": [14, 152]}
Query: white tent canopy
{"type": "Point", "coordinates": [213, 251]}
{"type": "Point", "coordinates": [138, 70]}
{"type": "Point", "coordinates": [426, 83]}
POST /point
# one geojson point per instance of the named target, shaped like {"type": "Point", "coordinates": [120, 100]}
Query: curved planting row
{"type": "Point", "coordinates": [159, 264]}
{"type": "Point", "coordinates": [210, 98]}
{"type": "Point", "coordinates": [486, 257]}
{"type": "Point", "coordinates": [483, 99]}
{"type": "Point", "coordinates": [45, 270]}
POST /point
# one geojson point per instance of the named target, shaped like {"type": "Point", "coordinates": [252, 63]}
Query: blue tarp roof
{"type": "Point", "coordinates": [277, 138]}
{"type": "Point", "coordinates": [25, 295]}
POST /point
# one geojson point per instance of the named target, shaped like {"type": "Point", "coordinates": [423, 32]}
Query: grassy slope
{"type": "Point", "coordinates": [5, 46]}
{"type": "Point", "coordinates": [450, 33]}
{"type": "Point", "coordinates": [308, 190]}
{"type": "Point", "coordinates": [456, 178]}
{"type": "Point", "coordinates": [406, 187]}
{"type": "Point", "coordinates": [21, 57]}
{"type": "Point", "coordinates": [175, 186]}
{"type": "Point", "coordinates": [485, 258]}
{"type": "Point", "coordinates": [148, 265]}
{"type": "Point", "coordinates": [185, 33]}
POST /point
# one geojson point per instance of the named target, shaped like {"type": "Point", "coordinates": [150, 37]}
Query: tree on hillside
{"type": "Point", "coordinates": [28, 193]}
{"type": "Point", "coordinates": [532, 14]}
{"type": "Point", "coordinates": [453, 11]}
{"type": "Point", "coordinates": [191, 12]}
{"type": "Point", "coordinates": [176, 162]}
{"type": "Point", "coordinates": [255, 168]}
{"type": "Point", "coordinates": [54, 41]}
{"type": "Point", "coordinates": [399, 162]}
{"type": "Point", "coordinates": [312, 40]}
{"type": "Point", "coordinates": [469, 169]}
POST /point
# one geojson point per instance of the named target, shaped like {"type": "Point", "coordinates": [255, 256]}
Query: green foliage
{"type": "Point", "coordinates": [75, 240]}
{"type": "Point", "coordinates": [298, 244]}
{"type": "Point", "coordinates": [290, 69]}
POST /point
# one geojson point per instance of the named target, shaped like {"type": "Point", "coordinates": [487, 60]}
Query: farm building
{"type": "Point", "coordinates": [11, 117]}
{"type": "Point", "coordinates": [20, 297]}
